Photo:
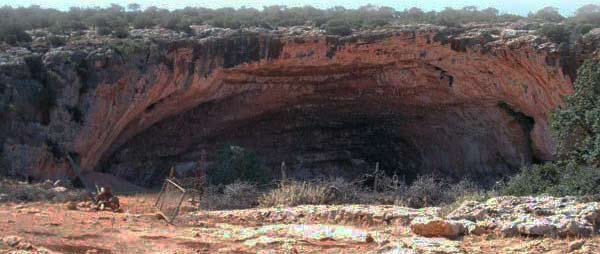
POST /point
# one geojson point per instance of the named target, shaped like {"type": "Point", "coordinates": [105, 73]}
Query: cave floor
{"type": "Point", "coordinates": [51, 228]}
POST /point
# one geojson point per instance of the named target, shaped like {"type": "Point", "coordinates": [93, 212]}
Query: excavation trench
{"type": "Point", "coordinates": [410, 120]}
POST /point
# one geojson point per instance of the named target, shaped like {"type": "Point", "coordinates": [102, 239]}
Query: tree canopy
{"type": "Point", "coordinates": [116, 20]}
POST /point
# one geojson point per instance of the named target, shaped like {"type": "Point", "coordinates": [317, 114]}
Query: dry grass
{"type": "Point", "coordinates": [425, 191]}
{"type": "Point", "coordinates": [238, 195]}
{"type": "Point", "coordinates": [294, 193]}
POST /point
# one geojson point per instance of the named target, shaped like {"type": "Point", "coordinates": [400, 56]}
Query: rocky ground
{"type": "Point", "coordinates": [498, 225]}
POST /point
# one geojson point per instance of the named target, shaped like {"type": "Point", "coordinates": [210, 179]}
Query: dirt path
{"type": "Point", "coordinates": [138, 230]}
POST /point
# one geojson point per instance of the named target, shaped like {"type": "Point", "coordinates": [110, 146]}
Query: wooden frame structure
{"type": "Point", "coordinates": [160, 201]}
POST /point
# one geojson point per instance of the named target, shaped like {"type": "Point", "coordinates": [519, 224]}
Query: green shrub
{"type": "Point", "coordinates": [549, 14]}
{"type": "Point", "coordinates": [577, 181]}
{"type": "Point", "coordinates": [103, 30]}
{"type": "Point", "coordinates": [12, 34]}
{"type": "Point", "coordinates": [143, 21]}
{"type": "Point", "coordinates": [532, 180]}
{"type": "Point", "coordinates": [577, 126]}
{"type": "Point", "coordinates": [56, 41]}
{"type": "Point", "coordinates": [338, 27]}
{"type": "Point", "coordinates": [128, 47]}
{"type": "Point", "coordinates": [589, 14]}
{"type": "Point", "coordinates": [121, 32]}
{"type": "Point", "coordinates": [237, 163]}
{"type": "Point", "coordinates": [557, 179]}
{"type": "Point", "coordinates": [555, 32]}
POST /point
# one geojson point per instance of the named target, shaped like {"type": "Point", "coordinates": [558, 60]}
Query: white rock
{"type": "Point", "coordinates": [59, 189]}
{"type": "Point", "coordinates": [536, 227]}
{"type": "Point", "coordinates": [47, 184]}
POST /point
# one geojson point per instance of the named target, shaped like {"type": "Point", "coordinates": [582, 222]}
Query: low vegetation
{"type": "Point", "coordinates": [426, 191]}
{"type": "Point", "coordinates": [116, 20]}
{"type": "Point", "coordinates": [235, 163]}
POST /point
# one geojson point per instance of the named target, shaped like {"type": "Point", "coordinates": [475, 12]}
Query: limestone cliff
{"type": "Point", "coordinates": [462, 102]}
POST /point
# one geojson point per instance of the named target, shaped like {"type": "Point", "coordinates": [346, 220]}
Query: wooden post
{"type": "Point", "coordinates": [376, 176]}
{"type": "Point", "coordinates": [172, 173]}
{"type": "Point", "coordinates": [201, 183]}
{"type": "Point", "coordinates": [283, 172]}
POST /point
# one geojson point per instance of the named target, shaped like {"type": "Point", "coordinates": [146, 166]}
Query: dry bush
{"type": "Point", "coordinates": [386, 190]}
{"type": "Point", "coordinates": [238, 195]}
{"type": "Point", "coordinates": [318, 192]}
{"type": "Point", "coordinates": [429, 190]}
{"type": "Point", "coordinates": [425, 191]}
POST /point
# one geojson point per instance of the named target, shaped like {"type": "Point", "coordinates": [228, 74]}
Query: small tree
{"type": "Point", "coordinates": [549, 14]}
{"type": "Point", "coordinates": [589, 13]}
{"type": "Point", "coordinates": [555, 33]}
{"type": "Point", "coordinates": [236, 163]}
{"type": "Point", "coordinates": [143, 20]}
{"type": "Point", "coordinates": [338, 27]}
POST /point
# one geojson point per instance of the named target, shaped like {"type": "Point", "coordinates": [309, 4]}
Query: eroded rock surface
{"type": "Point", "coordinates": [461, 102]}
{"type": "Point", "coordinates": [533, 216]}
{"type": "Point", "coordinates": [366, 215]}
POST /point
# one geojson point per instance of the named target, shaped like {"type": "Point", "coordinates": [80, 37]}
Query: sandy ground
{"type": "Point", "coordinates": [138, 230]}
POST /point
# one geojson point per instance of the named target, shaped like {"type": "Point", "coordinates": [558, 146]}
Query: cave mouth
{"type": "Point", "coordinates": [339, 129]}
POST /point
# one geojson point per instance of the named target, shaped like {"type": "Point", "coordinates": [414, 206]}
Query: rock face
{"type": "Point", "coordinates": [462, 102]}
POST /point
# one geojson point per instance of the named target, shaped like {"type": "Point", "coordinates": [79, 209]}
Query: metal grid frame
{"type": "Point", "coordinates": [169, 213]}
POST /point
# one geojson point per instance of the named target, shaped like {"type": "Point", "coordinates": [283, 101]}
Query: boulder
{"type": "Point", "coordinates": [426, 226]}
{"type": "Point", "coordinates": [575, 245]}
{"type": "Point", "coordinates": [536, 227]}
{"type": "Point", "coordinates": [469, 210]}
{"type": "Point", "coordinates": [574, 227]}
{"type": "Point", "coordinates": [508, 229]}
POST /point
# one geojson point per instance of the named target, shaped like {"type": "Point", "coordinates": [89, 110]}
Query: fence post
{"type": "Point", "coordinates": [283, 172]}
{"type": "Point", "coordinates": [375, 177]}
